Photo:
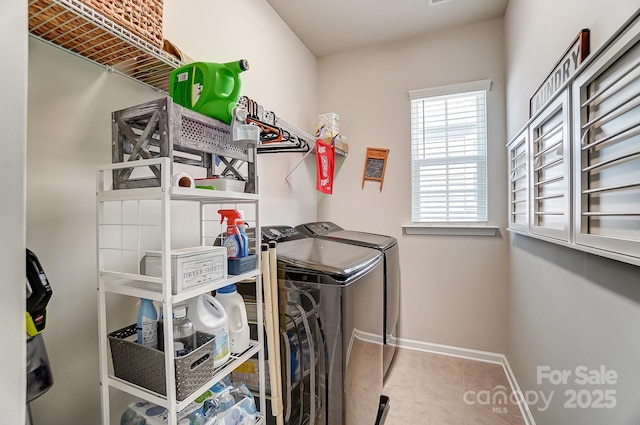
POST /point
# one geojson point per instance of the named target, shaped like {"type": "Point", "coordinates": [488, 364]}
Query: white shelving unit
{"type": "Point", "coordinates": [131, 222]}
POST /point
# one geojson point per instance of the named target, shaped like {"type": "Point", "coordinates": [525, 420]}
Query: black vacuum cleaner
{"type": "Point", "coordinates": [39, 377]}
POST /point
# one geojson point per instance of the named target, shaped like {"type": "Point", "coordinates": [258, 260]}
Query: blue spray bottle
{"type": "Point", "coordinates": [234, 242]}
{"type": "Point", "coordinates": [241, 225]}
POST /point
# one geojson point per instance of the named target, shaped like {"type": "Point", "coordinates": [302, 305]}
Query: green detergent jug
{"type": "Point", "coordinates": [209, 88]}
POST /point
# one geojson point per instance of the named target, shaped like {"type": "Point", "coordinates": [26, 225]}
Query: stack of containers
{"type": "Point", "coordinates": [329, 125]}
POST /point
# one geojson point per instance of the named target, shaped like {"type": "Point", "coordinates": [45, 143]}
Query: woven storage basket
{"type": "Point", "coordinates": [141, 17]}
{"type": "Point", "coordinates": [144, 366]}
{"type": "Point", "coordinates": [53, 22]}
{"type": "Point", "coordinates": [240, 265]}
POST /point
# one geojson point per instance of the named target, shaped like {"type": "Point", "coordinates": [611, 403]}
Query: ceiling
{"type": "Point", "coordinates": [328, 27]}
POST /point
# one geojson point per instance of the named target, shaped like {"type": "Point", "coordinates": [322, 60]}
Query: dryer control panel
{"type": "Point", "coordinates": [280, 234]}
{"type": "Point", "coordinates": [319, 228]}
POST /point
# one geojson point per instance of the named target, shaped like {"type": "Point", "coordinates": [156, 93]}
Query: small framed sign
{"type": "Point", "coordinates": [562, 72]}
{"type": "Point", "coordinates": [375, 164]}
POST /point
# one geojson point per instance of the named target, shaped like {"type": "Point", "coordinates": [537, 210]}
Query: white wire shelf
{"type": "Point", "coordinates": [80, 30]}
{"type": "Point", "coordinates": [151, 288]}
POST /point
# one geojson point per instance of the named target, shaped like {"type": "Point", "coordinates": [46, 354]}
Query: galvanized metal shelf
{"type": "Point", "coordinates": [78, 29]}
{"type": "Point", "coordinates": [162, 128]}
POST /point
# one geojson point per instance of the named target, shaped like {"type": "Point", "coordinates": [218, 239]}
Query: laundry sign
{"type": "Point", "coordinates": [562, 72]}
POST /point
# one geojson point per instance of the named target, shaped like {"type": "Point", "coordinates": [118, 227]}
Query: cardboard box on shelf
{"type": "Point", "coordinates": [339, 142]}
{"type": "Point", "coordinates": [331, 123]}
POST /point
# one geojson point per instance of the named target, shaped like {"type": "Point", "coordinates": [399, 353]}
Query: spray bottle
{"type": "Point", "coordinates": [241, 225]}
{"type": "Point", "coordinates": [234, 242]}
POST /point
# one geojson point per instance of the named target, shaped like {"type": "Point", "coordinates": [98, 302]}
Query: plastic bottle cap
{"type": "Point", "coordinates": [227, 289]}
{"type": "Point", "coordinates": [180, 311]}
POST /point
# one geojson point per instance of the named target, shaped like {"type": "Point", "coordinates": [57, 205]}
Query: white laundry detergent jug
{"type": "Point", "coordinates": [210, 317]}
{"type": "Point", "coordinates": [233, 304]}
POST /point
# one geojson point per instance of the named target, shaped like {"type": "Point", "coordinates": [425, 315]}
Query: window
{"type": "Point", "coordinates": [449, 154]}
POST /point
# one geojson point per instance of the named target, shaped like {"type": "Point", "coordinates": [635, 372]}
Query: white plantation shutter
{"type": "Point", "coordinates": [449, 154]}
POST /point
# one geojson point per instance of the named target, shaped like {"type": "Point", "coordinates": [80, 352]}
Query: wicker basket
{"type": "Point", "coordinates": [54, 22]}
{"type": "Point", "coordinates": [144, 366]}
{"type": "Point", "coordinates": [141, 17]}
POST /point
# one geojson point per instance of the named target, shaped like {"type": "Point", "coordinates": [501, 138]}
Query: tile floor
{"type": "Point", "coordinates": [434, 389]}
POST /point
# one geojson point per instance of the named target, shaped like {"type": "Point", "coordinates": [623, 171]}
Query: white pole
{"type": "Point", "coordinates": [274, 299]}
{"type": "Point", "coordinates": [274, 359]}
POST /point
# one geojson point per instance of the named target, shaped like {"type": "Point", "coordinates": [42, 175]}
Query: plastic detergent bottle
{"type": "Point", "coordinates": [184, 332]}
{"type": "Point", "coordinates": [238, 325]}
{"type": "Point", "coordinates": [146, 324]}
{"type": "Point", "coordinates": [241, 225]}
{"type": "Point", "coordinates": [210, 318]}
{"type": "Point", "coordinates": [209, 88]}
{"type": "Point", "coordinates": [234, 241]}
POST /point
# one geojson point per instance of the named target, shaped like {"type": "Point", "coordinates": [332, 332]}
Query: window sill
{"type": "Point", "coordinates": [450, 230]}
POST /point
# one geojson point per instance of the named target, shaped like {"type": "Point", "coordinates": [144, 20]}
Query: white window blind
{"type": "Point", "coordinates": [449, 154]}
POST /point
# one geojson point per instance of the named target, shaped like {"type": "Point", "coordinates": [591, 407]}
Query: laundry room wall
{"type": "Point", "coordinates": [13, 121]}
{"type": "Point", "coordinates": [69, 137]}
{"type": "Point", "coordinates": [567, 309]}
{"type": "Point", "coordinates": [454, 288]}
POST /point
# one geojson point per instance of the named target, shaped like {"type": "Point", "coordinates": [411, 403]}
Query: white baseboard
{"type": "Point", "coordinates": [470, 354]}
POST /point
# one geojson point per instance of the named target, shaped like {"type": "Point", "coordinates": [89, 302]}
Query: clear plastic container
{"type": "Point", "coordinates": [246, 132]}
{"type": "Point", "coordinates": [184, 331]}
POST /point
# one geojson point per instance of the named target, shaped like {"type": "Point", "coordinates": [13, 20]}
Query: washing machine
{"type": "Point", "coordinates": [388, 246]}
{"type": "Point", "coordinates": [345, 286]}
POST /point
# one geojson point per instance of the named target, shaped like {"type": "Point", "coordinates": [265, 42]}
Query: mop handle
{"type": "Point", "coordinates": [273, 268]}
{"type": "Point", "coordinates": [268, 321]}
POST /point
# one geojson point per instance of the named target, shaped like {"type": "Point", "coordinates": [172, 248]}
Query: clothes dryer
{"type": "Point", "coordinates": [388, 246]}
